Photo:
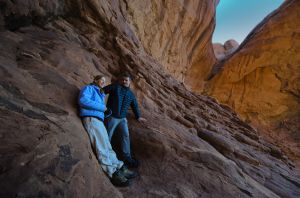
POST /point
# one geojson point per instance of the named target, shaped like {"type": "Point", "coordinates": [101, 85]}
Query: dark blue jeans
{"type": "Point", "coordinates": [120, 123]}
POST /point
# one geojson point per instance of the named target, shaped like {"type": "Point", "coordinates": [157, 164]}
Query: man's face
{"type": "Point", "coordinates": [125, 81]}
{"type": "Point", "coordinates": [101, 82]}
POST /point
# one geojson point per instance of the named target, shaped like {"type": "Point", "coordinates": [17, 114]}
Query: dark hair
{"type": "Point", "coordinates": [125, 74]}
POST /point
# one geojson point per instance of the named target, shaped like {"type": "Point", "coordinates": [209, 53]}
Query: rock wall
{"type": "Point", "coordinates": [222, 51]}
{"type": "Point", "coordinates": [177, 34]}
{"type": "Point", "coordinates": [191, 146]}
{"type": "Point", "coordinates": [261, 80]}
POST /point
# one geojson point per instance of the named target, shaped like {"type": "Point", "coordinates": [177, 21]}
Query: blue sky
{"type": "Point", "coordinates": [236, 18]}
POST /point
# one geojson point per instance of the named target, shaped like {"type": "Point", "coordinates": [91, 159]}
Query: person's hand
{"type": "Point", "coordinates": [142, 119]}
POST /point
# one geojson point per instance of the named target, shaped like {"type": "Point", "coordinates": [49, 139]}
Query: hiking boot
{"type": "Point", "coordinates": [129, 174]}
{"type": "Point", "coordinates": [118, 179]}
{"type": "Point", "coordinates": [132, 163]}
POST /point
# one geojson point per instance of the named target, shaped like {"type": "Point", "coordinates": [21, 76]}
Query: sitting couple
{"type": "Point", "coordinates": [92, 107]}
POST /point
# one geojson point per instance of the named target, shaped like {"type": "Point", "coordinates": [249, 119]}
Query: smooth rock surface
{"type": "Point", "coordinates": [223, 51]}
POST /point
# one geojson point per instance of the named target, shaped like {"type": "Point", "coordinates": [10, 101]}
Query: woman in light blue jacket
{"type": "Point", "coordinates": [92, 107]}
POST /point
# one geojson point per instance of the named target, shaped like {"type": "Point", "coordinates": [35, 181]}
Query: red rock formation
{"type": "Point", "coordinates": [177, 34]}
{"type": "Point", "coordinates": [261, 80]}
{"type": "Point", "coordinates": [190, 147]}
{"type": "Point", "coordinates": [219, 51]}
{"type": "Point", "coordinates": [231, 45]}
{"type": "Point", "coordinates": [222, 51]}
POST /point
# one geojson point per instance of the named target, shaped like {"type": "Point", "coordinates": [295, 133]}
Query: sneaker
{"type": "Point", "coordinates": [118, 179]}
{"type": "Point", "coordinates": [132, 163]}
{"type": "Point", "coordinates": [129, 174]}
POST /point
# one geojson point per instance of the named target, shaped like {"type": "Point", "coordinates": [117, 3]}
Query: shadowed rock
{"type": "Point", "coordinates": [53, 157]}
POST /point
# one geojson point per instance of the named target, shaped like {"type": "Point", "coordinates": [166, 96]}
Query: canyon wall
{"type": "Point", "coordinates": [191, 146]}
{"type": "Point", "coordinates": [261, 80]}
{"type": "Point", "coordinates": [177, 34]}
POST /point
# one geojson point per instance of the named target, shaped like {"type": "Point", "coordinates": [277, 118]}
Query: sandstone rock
{"type": "Point", "coordinates": [177, 34]}
{"type": "Point", "coordinates": [221, 143]}
{"type": "Point", "coordinates": [223, 51]}
{"type": "Point", "coordinates": [45, 151]}
{"type": "Point", "coordinates": [219, 51]}
{"type": "Point", "coordinates": [261, 80]}
{"type": "Point", "coordinates": [231, 44]}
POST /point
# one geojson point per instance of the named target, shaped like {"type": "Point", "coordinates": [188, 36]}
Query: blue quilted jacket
{"type": "Point", "coordinates": [120, 99]}
{"type": "Point", "coordinates": [92, 102]}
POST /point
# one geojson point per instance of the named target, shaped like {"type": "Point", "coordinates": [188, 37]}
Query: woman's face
{"type": "Point", "coordinates": [101, 82]}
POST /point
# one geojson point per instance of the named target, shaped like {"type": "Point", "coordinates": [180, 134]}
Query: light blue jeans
{"type": "Point", "coordinates": [122, 125]}
{"type": "Point", "coordinates": [101, 145]}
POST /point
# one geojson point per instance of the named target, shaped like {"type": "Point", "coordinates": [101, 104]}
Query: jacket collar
{"type": "Point", "coordinates": [127, 88]}
{"type": "Point", "coordinates": [97, 87]}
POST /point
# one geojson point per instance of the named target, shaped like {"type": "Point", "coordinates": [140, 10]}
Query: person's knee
{"type": "Point", "coordinates": [125, 131]}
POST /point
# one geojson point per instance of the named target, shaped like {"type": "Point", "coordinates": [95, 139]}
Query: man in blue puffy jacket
{"type": "Point", "coordinates": [120, 99]}
{"type": "Point", "coordinates": [92, 107]}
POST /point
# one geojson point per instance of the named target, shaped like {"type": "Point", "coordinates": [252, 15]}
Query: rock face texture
{"type": "Point", "coordinates": [177, 34]}
{"type": "Point", "coordinates": [261, 80]}
{"type": "Point", "coordinates": [219, 50]}
{"type": "Point", "coordinates": [222, 51]}
{"type": "Point", "coordinates": [231, 45]}
{"type": "Point", "coordinates": [191, 146]}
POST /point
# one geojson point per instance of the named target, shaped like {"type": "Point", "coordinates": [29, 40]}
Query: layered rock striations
{"type": "Point", "coordinates": [191, 146]}
{"type": "Point", "coordinates": [177, 34]}
{"type": "Point", "coordinates": [261, 80]}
